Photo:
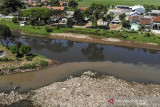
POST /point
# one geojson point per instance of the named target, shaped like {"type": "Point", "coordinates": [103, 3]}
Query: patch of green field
{"type": "Point", "coordinates": [26, 29]}
{"type": "Point", "coordinates": [86, 3]}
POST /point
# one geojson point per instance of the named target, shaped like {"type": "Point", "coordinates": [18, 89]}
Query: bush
{"type": "Point", "coordinates": [29, 58]}
{"type": "Point", "coordinates": [14, 49]}
{"type": "Point", "coordinates": [5, 60]}
{"type": "Point", "coordinates": [25, 49]}
{"type": "Point", "coordinates": [43, 63]}
{"type": "Point", "coordinates": [70, 22]}
{"type": "Point", "coordinates": [48, 29]}
{"type": "Point", "coordinates": [72, 3]}
{"type": "Point", "coordinates": [15, 20]}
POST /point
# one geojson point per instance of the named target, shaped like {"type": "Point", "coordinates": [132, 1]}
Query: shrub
{"type": "Point", "coordinates": [25, 49]}
{"type": "Point", "coordinates": [43, 63]}
{"type": "Point", "coordinates": [5, 60]}
{"type": "Point", "coordinates": [15, 20]}
{"type": "Point", "coordinates": [14, 49]}
{"type": "Point", "coordinates": [48, 29]}
{"type": "Point", "coordinates": [29, 58]}
{"type": "Point", "coordinates": [70, 22]}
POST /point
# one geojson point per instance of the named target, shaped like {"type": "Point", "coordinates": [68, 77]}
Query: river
{"type": "Point", "coordinates": [132, 64]}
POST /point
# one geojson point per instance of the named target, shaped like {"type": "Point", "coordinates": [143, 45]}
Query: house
{"type": "Point", "coordinates": [131, 10]}
{"type": "Point", "coordinates": [154, 13]}
{"type": "Point", "coordinates": [23, 23]}
{"type": "Point", "coordinates": [156, 23]}
{"type": "Point", "coordinates": [116, 21]}
{"type": "Point", "coordinates": [134, 19]}
{"type": "Point", "coordinates": [69, 14]}
{"type": "Point", "coordinates": [100, 22]}
{"type": "Point", "coordinates": [114, 11]}
{"type": "Point", "coordinates": [134, 26]}
{"type": "Point", "coordinates": [146, 20]}
{"type": "Point", "coordinates": [82, 8]}
{"type": "Point", "coordinates": [63, 3]}
{"type": "Point", "coordinates": [138, 8]}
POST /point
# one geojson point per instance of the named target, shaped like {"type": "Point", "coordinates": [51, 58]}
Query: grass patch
{"type": "Point", "coordinates": [86, 3]}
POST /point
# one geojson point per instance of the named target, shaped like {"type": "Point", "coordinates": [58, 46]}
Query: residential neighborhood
{"type": "Point", "coordinates": [137, 16]}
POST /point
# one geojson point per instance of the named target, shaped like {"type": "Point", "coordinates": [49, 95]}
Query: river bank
{"type": "Point", "coordinates": [10, 64]}
{"type": "Point", "coordinates": [90, 89]}
{"type": "Point", "coordinates": [96, 39]}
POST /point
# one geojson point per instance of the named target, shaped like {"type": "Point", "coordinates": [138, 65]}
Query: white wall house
{"type": "Point", "coordinates": [138, 8]}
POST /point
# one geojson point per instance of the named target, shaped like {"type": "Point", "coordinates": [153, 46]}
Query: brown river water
{"type": "Point", "coordinates": [132, 64]}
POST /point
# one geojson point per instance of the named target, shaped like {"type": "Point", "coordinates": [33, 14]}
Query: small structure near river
{"type": "Point", "coordinates": [2, 54]}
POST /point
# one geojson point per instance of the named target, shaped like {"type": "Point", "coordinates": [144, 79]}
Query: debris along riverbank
{"type": "Point", "coordinates": [91, 90]}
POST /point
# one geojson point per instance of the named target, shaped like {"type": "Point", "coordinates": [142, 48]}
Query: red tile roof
{"type": "Point", "coordinates": [145, 21]}
{"type": "Point", "coordinates": [156, 19]}
{"type": "Point", "coordinates": [136, 17]}
{"type": "Point", "coordinates": [82, 8]}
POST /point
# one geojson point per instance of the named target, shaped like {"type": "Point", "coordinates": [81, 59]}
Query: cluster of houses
{"type": "Point", "coordinates": [136, 15]}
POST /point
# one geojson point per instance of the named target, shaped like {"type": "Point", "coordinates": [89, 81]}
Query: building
{"type": "Point", "coordinates": [146, 20]}
{"type": "Point", "coordinates": [82, 8]}
{"type": "Point", "coordinates": [134, 19]}
{"type": "Point", "coordinates": [23, 23]}
{"type": "Point", "coordinates": [63, 3]}
{"type": "Point", "coordinates": [132, 10]}
{"type": "Point", "coordinates": [100, 22]}
{"type": "Point", "coordinates": [156, 23]}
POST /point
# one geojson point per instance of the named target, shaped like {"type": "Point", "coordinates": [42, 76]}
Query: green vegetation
{"type": "Point", "coordinates": [37, 16]}
{"type": "Point", "coordinates": [26, 29]}
{"type": "Point", "coordinates": [124, 35]}
{"type": "Point", "coordinates": [9, 6]}
{"type": "Point", "coordinates": [72, 3]}
{"type": "Point", "coordinates": [86, 3]}
{"type": "Point", "coordinates": [12, 63]}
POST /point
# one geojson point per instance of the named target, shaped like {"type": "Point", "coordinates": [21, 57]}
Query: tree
{"type": "Point", "coordinates": [25, 49]}
{"type": "Point", "coordinates": [14, 49]}
{"type": "Point", "coordinates": [9, 6]}
{"type": "Point", "coordinates": [54, 3]}
{"type": "Point", "coordinates": [122, 16]}
{"type": "Point", "coordinates": [72, 3]}
{"type": "Point", "coordinates": [158, 7]}
{"type": "Point", "coordinates": [37, 16]}
{"type": "Point", "coordinates": [109, 17]}
{"type": "Point", "coordinates": [15, 20]}
{"type": "Point", "coordinates": [4, 31]}
{"type": "Point", "coordinates": [126, 23]}
{"type": "Point", "coordinates": [70, 22]}
{"type": "Point", "coordinates": [95, 12]}
{"type": "Point", "coordinates": [78, 16]}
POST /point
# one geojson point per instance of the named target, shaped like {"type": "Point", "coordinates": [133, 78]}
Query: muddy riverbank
{"type": "Point", "coordinates": [90, 89]}
{"type": "Point", "coordinates": [99, 39]}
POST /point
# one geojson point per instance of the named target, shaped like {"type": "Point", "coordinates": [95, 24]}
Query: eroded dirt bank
{"type": "Point", "coordinates": [88, 91]}
{"type": "Point", "coordinates": [100, 39]}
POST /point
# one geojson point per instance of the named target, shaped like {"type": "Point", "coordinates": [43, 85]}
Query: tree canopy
{"type": "Point", "coordinates": [95, 12]}
{"type": "Point", "coordinates": [9, 6]}
{"type": "Point", "coordinates": [78, 16]}
{"type": "Point", "coordinates": [54, 3]}
{"type": "Point", "coordinates": [72, 3]}
{"type": "Point", "coordinates": [37, 16]}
